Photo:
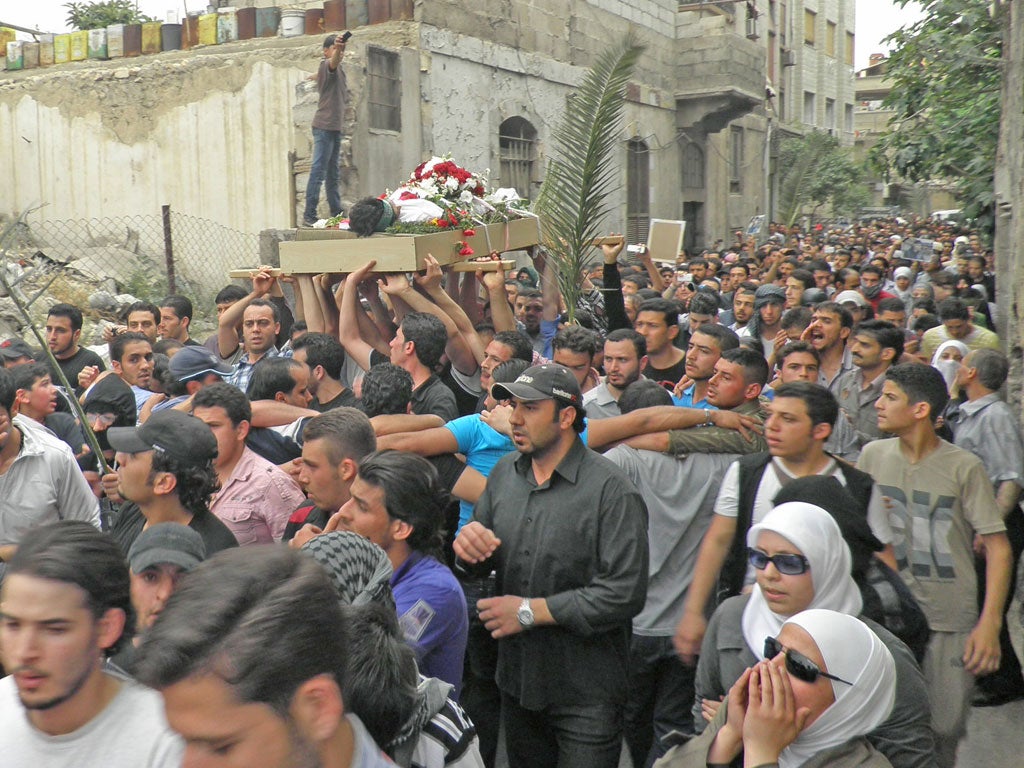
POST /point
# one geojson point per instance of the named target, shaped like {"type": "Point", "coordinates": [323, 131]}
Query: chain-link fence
{"type": "Point", "coordinates": [147, 256]}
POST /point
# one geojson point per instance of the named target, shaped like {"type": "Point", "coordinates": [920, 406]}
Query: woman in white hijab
{"type": "Point", "coordinates": [830, 680]}
{"type": "Point", "coordinates": [801, 562]}
{"type": "Point", "coordinates": [947, 359]}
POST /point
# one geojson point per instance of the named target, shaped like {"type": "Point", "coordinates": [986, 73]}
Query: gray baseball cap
{"type": "Point", "coordinates": [171, 543]}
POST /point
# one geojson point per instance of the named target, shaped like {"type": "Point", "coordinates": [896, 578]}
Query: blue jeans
{"type": "Point", "coordinates": [326, 166]}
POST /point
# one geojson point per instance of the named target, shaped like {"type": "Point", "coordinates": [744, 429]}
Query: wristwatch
{"type": "Point", "coordinates": [525, 614]}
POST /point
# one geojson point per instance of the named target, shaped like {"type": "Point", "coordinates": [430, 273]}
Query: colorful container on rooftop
{"type": "Point", "coordinates": [227, 25]}
{"type": "Point", "coordinates": [79, 45]}
{"type": "Point", "coordinates": [98, 43]}
{"type": "Point", "coordinates": [267, 21]}
{"type": "Point", "coordinates": [115, 40]}
{"type": "Point", "coordinates": [30, 55]}
{"type": "Point", "coordinates": [61, 49]}
{"type": "Point", "coordinates": [46, 49]}
{"type": "Point", "coordinates": [132, 40]}
{"type": "Point", "coordinates": [334, 15]}
{"type": "Point", "coordinates": [246, 23]}
{"type": "Point", "coordinates": [208, 29]}
{"type": "Point", "coordinates": [151, 38]}
{"type": "Point", "coordinates": [190, 32]}
{"type": "Point", "coordinates": [15, 55]}
{"type": "Point", "coordinates": [314, 23]}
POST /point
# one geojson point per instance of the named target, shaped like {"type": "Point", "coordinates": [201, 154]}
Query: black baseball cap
{"type": "Point", "coordinates": [177, 434]}
{"type": "Point", "coordinates": [15, 349]}
{"type": "Point", "coordinates": [193, 361]}
{"type": "Point", "coordinates": [171, 543]}
{"type": "Point", "coordinates": [550, 381]}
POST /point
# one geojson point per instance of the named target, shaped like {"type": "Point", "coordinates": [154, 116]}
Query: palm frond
{"type": "Point", "coordinates": [582, 172]}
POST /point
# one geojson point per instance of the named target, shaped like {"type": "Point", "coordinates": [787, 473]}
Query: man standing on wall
{"type": "Point", "coordinates": [327, 122]}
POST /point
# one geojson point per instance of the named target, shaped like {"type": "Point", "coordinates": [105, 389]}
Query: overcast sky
{"type": "Point", "coordinates": [875, 18]}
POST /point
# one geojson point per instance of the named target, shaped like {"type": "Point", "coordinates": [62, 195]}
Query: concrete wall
{"type": "Point", "coordinates": [208, 134]}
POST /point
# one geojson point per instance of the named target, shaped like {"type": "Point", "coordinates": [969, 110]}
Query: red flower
{"type": "Point", "coordinates": [465, 250]}
{"type": "Point", "coordinates": [408, 196]}
{"type": "Point", "coordinates": [469, 232]}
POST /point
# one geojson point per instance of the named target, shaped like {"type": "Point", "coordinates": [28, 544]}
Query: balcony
{"type": "Point", "coordinates": [721, 74]}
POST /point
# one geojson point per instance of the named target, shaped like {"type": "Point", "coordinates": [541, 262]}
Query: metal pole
{"type": "Point", "coordinates": [21, 304]}
{"type": "Point", "coordinates": [168, 249]}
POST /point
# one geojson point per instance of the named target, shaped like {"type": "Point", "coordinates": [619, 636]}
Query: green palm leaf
{"type": "Point", "coordinates": [582, 173]}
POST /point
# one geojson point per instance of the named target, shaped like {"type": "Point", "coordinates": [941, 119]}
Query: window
{"type": "Point", "coordinates": [693, 167]}
{"type": "Point", "coordinates": [771, 57]}
{"type": "Point", "coordinates": [849, 49]}
{"type": "Point", "coordinates": [384, 89]}
{"type": "Point", "coordinates": [830, 38]}
{"type": "Point", "coordinates": [810, 19]}
{"type": "Point", "coordinates": [809, 105]}
{"type": "Point", "coordinates": [735, 160]}
{"type": "Point", "coordinates": [848, 118]}
{"type": "Point", "coordinates": [517, 150]}
{"type": "Point", "coordinates": [830, 114]}
{"type": "Point", "coordinates": [638, 193]}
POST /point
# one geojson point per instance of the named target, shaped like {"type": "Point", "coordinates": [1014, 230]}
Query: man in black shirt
{"type": "Point", "coordinates": [566, 532]}
{"type": "Point", "coordinates": [325, 357]}
{"type": "Point", "coordinates": [165, 469]}
{"type": "Point", "coordinates": [657, 321]}
{"type": "Point", "coordinates": [63, 330]}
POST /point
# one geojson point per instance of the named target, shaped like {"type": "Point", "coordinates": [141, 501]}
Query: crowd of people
{"type": "Point", "coordinates": [757, 506]}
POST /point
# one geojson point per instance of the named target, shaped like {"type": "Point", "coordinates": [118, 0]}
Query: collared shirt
{"type": "Point", "coordinates": [857, 408]}
{"type": "Point", "coordinates": [713, 439]}
{"type": "Point", "coordinates": [987, 428]}
{"type": "Point", "coordinates": [256, 500]}
{"type": "Point", "coordinates": [242, 374]}
{"type": "Point", "coordinates": [686, 399]}
{"type": "Point", "coordinates": [42, 485]}
{"type": "Point", "coordinates": [580, 541]}
{"type": "Point", "coordinates": [600, 403]}
{"type": "Point", "coordinates": [844, 367]}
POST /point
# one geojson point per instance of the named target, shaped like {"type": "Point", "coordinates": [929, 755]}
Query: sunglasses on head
{"type": "Point", "coordinates": [798, 665]}
{"type": "Point", "coordinates": [790, 565]}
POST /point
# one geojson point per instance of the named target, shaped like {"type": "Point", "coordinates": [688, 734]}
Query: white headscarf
{"type": "Point", "coordinates": [815, 533]}
{"type": "Point", "coordinates": [854, 653]}
{"type": "Point", "coordinates": [948, 368]}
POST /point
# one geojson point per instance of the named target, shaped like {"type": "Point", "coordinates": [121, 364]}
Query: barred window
{"type": "Point", "coordinates": [517, 151]}
{"type": "Point", "coordinates": [638, 191]}
{"type": "Point", "coordinates": [384, 89]}
{"type": "Point", "coordinates": [736, 161]}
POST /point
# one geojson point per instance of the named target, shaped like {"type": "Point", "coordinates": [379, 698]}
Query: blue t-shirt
{"type": "Point", "coordinates": [482, 447]}
{"type": "Point", "coordinates": [686, 400]}
{"type": "Point", "coordinates": [432, 615]}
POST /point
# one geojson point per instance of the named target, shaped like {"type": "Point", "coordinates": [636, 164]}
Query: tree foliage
{"type": "Point", "coordinates": [946, 76]}
{"type": "Point", "coordinates": [97, 15]}
{"type": "Point", "coordinates": [583, 170]}
{"type": "Point", "coordinates": [817, 172]}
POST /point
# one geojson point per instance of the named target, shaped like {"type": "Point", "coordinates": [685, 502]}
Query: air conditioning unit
{"type": "Point", "coordinates": [788, 58]}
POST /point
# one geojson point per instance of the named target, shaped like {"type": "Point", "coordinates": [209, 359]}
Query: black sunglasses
{"type": "Point", "coordinates": [790, 565]}
{"type": "Point", "coordinates": [798, 665]}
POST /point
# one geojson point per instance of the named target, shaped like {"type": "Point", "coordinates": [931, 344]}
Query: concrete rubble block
{"type": "Point", "coordinates": [103, 301]}
{"type": "Point", "coordinates": [99, 263]}
{"type": "Point", "coordinates": [270, 240]}
{"type": "Point", "coordinates": [123, 300]}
